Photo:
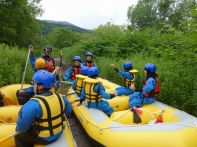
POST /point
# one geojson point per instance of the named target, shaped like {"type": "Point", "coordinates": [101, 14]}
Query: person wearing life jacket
{"type": "Point", "coordinates": [25, 94]}
{"type": "Point", "coordinates": [89, 60]}
{"type": "Point", "coordinates": [93, 93]}
{"type": "Point", "coordinates": [71, 72]}
{"type": "Point", "coordinates": [129, 76]}
{"type": "Point", "coordinates": [50, 63]}
{"type": "Point", "coordinates": [41, 119]}
{"type": "Point", "coordinates": [150, 90]}
{"type": "Point", "coordinates": [77, 85]}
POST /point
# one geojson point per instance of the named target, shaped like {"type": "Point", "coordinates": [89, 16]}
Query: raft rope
{"type": "Point", "coordinates": [120, 116]}
{"type": "Point", "coordinates": [140, 125]}
{"type": "Point", "coordinates": [150, 113]}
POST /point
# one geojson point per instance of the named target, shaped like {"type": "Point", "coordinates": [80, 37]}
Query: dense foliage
{"type": "Point", "coordinates": [163, 33]}
{"type": "Point", "coordinates": [12, 63]}
{"type": "Point", "coordinates": [17, 21]}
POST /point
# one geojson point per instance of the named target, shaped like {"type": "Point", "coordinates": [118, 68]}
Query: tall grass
{"type": "Point", "coordinates": [12, 62]}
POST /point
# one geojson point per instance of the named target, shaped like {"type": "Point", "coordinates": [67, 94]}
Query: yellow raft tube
{"type": "Point", "coordinates": [178, 129]}
{"type": "Point", "coordinates": [9, 114]}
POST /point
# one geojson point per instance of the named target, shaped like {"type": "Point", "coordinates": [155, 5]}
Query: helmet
{"type": "Point", "coordinates": [44, 77]}
{"type": "Point", "coordinates": [48, 47]}
{"type": "Point", "coordinates": [127, 65]}
{"type": "Point", "coordinates": [89, 54]}
{"type": "Point", "coordinates": [84, 70]}
{"type": "Point", "coordinates": [93, 71]}
{"type": "Point", "coordinates": [77, 58]}
{"type": "Point", "coordinates": [151, 67]}
{"type": "Point", "coordinates": [40, 63]}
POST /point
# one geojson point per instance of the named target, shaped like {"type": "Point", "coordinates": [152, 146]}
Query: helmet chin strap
{"type": "Point", "coordinates": [36, 89]}
{"type": "Point", "coordinates": [39, 90]}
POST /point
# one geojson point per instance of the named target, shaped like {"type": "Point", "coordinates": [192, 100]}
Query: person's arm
{"type": "Point", "coordinates": [27, 115]}
{"type": "Point", "coordinates": [126, 75]}
{"type": "Point", "coordinates": [82, 97]}
{"type": "Point", "coordinates": [150, 85]}
{"type": "Point", "coordinates": [100, 88]}
{"type": "Point", "coordinates": [32, 61]}
{"type": "Point", "coordinates": [68, 74]}
{"type": "Point", "coordinates": [68, 106]}
{"type": "Point", "coordinates": [29, 90]}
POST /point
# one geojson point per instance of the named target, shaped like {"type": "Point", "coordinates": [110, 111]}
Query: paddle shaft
{"type": "Point", "coordinates": [9, 136]}
{"type": "Point", "coordinates": [60, 65]}
{"type": "Point", "coordinates": [25, 68]}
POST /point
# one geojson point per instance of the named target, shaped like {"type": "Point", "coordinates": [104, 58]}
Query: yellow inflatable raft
{"type": "Point", "coordinates": [178, 129]}
{"type": "Point", "coordinates": [8, 117]}
{"type": "Point", "coordinates": [9, 93]}
{"type": "Point", "coordinates": [8, 126]}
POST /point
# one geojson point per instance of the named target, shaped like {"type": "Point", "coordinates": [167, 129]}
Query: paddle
{"type": "Point", "coordinates": [9, 136]}
{"type": "Point", "coordinates": [136, 115]}
{"type": "Point", "coordinates": [64, 86]}
{"type": "Point", "coordinates": [159, 118]}
{"type": "Point", "coordinates": [60, 65]}
{"type": "Point", "coordinates": [24, 72]}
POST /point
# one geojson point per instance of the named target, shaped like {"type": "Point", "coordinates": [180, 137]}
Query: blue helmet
{"type": "Point", "coordinates": [77, 58]}
{"type": "Point", "coordinates": [48, 47]}
{"type": "Point", "coordinates": [127, 65]}
{"type": "Point", "coordinates": [151, 67]}
{"type": "Point", "coordinates": [84, 70]}
{"type": "Point", "coordinates": [93, 71]}
{"type": "Point", "coordinates": [45, 78]}
{"type": "Point", "coordinates": [89, 54]}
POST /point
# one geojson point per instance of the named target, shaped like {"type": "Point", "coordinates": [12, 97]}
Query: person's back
{"type": "Point", "coordinates": [45, 124]}
{"type": "Point", "coordinates": [25, 94]}
{"type": "Point", "coordinates": [77, 85]}
{"type": "Point", "coordinates": [94, 92]}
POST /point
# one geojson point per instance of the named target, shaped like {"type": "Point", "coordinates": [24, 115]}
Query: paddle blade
{"type": "Point", "coordinates": [136, 118]}
{"type": "Point", "coordinates": [159, 119]}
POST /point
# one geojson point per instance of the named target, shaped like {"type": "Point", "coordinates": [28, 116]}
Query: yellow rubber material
{"type": "Point", "coordinates": [178, 129]}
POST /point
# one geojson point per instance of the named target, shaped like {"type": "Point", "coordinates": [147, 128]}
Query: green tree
{"type": "Point", "coordinates": [17, 21]}
{"type": "Point", "coordinates": [143, 14]}
{"type": "Point", "coordinates": [158, 13]}
{"type": "Point", "coordinates": [62, 37]}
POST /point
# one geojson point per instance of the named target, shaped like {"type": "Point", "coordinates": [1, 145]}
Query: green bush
{"type": "Point", "coordinates": [12, 63]}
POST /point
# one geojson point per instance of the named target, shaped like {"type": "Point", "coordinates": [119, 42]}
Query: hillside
{"type": "Point", "coordinates": [49, 25]}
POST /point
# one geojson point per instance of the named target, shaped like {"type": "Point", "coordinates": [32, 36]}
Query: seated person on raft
{"type": "Point", "coordinates": [93, 93]}
{"type": "Point", "coordinates": [41, 119]}
{"type": "Point", "coordinates": [150, 90]}
{"type": "Point", "coordinates": [129, 76]}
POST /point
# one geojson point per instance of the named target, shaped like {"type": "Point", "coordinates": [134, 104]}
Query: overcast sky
{"type": "Point", "coordinates": [87, 13]}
